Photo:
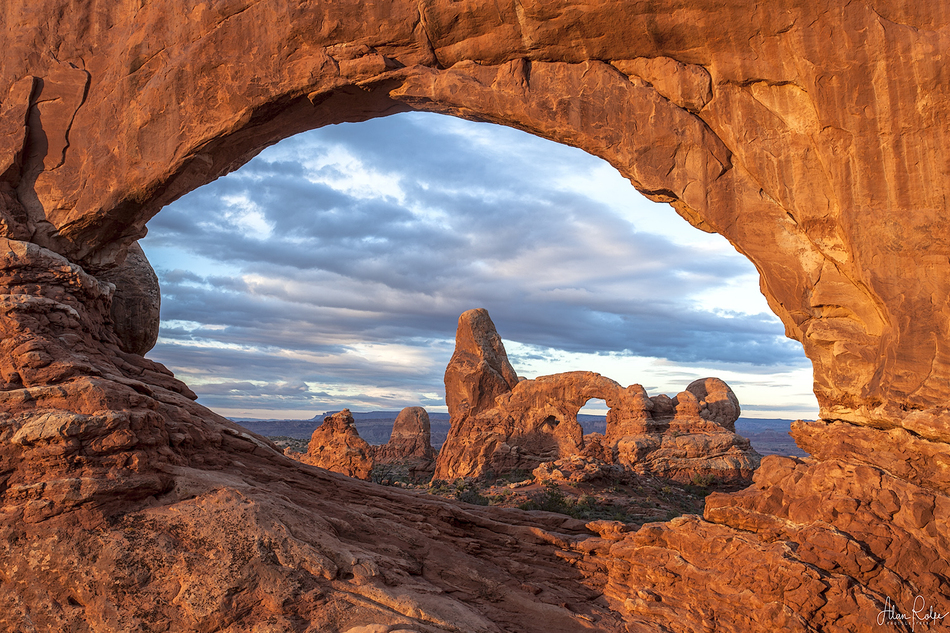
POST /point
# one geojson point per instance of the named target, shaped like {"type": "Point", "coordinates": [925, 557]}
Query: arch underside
{"type": "Point", "coordinates": [812, 137]}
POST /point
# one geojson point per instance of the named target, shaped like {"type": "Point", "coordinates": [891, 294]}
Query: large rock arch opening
{"type": "Point", "coordinates": [823, 163]}
{"type": "Point", "coordinates": [684, 126]}
{"type": "Point", "coordinates": [415, 217]}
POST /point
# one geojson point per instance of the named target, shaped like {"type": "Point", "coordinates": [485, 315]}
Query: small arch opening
{"type": "Point", "coordinates": [593, 416]}
{"type": "Point", "coordinates": [549, 424]}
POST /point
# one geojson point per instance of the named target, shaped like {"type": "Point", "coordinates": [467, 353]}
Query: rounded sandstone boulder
{"type": "Point", "coordinates": [137, 302]}
{"type": "Point", "coordinates": [717, 402]}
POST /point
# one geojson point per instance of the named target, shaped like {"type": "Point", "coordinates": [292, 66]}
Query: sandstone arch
{"type": "Point", "coordinates": [681, 117]}
{"type": "Point", "coordinates": [501, 426]}
{"type": "Point", "coordinates": [811, 135]}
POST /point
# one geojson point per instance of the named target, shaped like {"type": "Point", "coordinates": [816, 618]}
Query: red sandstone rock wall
{"type": "Point", "coordinates": [813, 135]}
{"type": "Point", "coordinates": [804, 201]}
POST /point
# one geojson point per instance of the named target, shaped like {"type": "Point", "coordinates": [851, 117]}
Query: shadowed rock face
{"type": "Point", "coordinates": [136, 304]}
{"type": "Point", "coordinates": [409, 448]}
{"type": "Point", "coordinates": [684, 438]}
{"type": "Point", "coordinates": [811, 135]}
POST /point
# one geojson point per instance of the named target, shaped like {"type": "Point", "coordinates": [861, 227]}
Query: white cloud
{"type": "Point", "coordinates": [340, 260]}
{"type": "Point", "coordinates": [246, 216]}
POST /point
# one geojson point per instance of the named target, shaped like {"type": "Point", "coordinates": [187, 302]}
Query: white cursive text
{"type": "Point", "coordinates": [920, 614]}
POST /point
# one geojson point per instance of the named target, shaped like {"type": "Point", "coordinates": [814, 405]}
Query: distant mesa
{"type": "Point", "coordinates": [501, 424]}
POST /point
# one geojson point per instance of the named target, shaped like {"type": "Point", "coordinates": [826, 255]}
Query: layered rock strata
{"type": "Point", "coordinates": [688, 438]}
{"type": "Point", "coordinates": [813, 136]}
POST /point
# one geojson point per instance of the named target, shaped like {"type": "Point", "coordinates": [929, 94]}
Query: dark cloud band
{"type": "Point", "coordinates": [384, 232]}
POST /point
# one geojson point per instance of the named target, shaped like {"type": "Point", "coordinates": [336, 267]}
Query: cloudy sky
{"type": "Point", "coordinates": [330, 272]}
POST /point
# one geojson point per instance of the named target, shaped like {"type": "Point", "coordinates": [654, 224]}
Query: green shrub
{"type": "Point", "coordinates": [516, 475]}
{"type": "Point", "coordinates": [439, 487]}
{"type": "Point", "coordinates": [469, 493]}
{"type": "Point", "coordinates": [383, 474]}
{"type": "Point", "coordinates": [500, 499]}
{"type": "Point", "coordinates": [585, 507]}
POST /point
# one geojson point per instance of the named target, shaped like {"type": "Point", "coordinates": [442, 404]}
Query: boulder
{"type": "Point", "coordinates": [136, 303]}
{"type": "Point", "coordinates": [717, 402]}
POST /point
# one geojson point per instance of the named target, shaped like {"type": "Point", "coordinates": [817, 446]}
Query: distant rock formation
{"type": "Point", "coordinates": [336, 445]}
{"type": "Point", "coordinates": [479, 369]}
{"type": "Point", "coordinates": [693, 437]}
{"type": "Point", "coordinates": [533, 422]}
{"type": "Point", "coordinates": [410, 445]}
{"type": "Point", "coordinates": [410, 437]}
{"type": "Point", "coordinates": [408, 455]}
{"type": "Point", "coordinates": [717, 402]}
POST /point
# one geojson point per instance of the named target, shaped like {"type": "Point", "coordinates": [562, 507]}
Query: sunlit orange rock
{"type": "Point", "coordinates": [690, 439]}
{"type": "Point", "coordinates": [813, 136]}
{"type": "Point", "coordinates": [479, 369]}
{"type": "Point", "coordinates": [337, 446]}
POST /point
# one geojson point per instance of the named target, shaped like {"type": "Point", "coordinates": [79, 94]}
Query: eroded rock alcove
{"type": "Point", "coordinates": [812, 135]}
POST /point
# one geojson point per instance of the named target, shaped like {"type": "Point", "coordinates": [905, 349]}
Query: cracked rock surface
{"type": "Point", "coordinates": [813, 136]}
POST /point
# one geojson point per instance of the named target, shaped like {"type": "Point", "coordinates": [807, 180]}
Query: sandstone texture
{"type": "Point", "coordinates": [337, 446]}
{"type": "Point", "coordinates": [479, 369]}
{"type": "Point", "coordinates": [812, 135]}
{"type": "Point", "coordinates": [409, 447]}
{"type": "Point", "coordinates": [688, 438]}
{"type": "Point", "coordinates": [137, 302]}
